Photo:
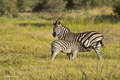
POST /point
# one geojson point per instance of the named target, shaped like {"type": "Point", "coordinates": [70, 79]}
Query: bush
{"type": "Point", "coordinates": [8, 7]}
{"type": "Point", "coordinates": [74, 4]}
{"type": "Point", "coordinates": [39, 6]}
{"type": "Point", "coordinates": [23, 5]}
{"type": "Point", "coordinates": [87, 4]}
{"type": "Point", "coordinates": [54, 6]}
{"type": "Point", "coordinates": [116, 8]}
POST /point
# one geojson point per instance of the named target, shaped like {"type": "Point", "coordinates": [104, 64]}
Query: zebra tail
{"type": "Point", "coordinates": [102, 43]}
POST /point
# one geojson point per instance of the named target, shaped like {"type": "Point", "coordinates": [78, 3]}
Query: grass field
{"type": "Point", "coordinates": [25, 49]}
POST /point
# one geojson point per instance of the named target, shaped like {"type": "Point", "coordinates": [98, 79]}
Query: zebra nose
{"type": "Point", "coordinates": [54, 34]}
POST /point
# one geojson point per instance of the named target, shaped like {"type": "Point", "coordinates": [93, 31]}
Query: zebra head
{"type": "Point", "coordinates": [56, 28]}
{"type": "Point", "coordinates": [59, 30]}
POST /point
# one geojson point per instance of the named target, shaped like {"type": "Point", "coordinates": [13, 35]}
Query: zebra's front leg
{"type": "Point", "coordinates": [54, 54]}
{"type": "Point", "coordinates": [69, 56]}
{"type": "Point", "coordinates": [97, 50]}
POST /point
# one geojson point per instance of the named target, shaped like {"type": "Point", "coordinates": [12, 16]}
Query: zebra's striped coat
{"type": "Point", "coordinates": [89, 39]}
{"type": "Point", "coordinates": [69, 47]}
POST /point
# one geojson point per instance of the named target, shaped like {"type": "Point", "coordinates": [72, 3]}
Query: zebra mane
{"type": "Point", "coordinates": [66, 28]}
{"type": "Point", "coordinates": [59, 23]}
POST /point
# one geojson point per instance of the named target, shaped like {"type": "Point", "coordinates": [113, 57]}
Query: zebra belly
{"type": "Point", "coordinates": [85, 49]}
{"type": "Point", "coordinates": [67, 51]}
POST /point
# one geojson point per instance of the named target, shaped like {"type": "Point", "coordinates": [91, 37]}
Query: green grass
{"type": "Point", "coordinates": [25, 50]}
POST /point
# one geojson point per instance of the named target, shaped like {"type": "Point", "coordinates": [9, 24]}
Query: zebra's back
{"type": "Point", "coordinates": [87, 39]}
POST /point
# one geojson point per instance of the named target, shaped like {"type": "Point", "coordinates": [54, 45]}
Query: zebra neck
{"type": "Point", "coordinates": [65, 29]}
{"type": "Point", "coordinates": [63, 34]}
{"type": "Point", "coordinates": [60, 36]}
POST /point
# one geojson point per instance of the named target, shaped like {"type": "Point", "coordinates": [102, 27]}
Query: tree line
{"type": "Point", "coordinates": [13, 7]}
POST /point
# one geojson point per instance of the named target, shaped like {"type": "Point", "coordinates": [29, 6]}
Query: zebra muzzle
{"type": "Point", "coordinates": [54, 34]}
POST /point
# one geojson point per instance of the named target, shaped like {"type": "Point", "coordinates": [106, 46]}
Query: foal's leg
{"type": "Point", "coordinates": [54, 54]}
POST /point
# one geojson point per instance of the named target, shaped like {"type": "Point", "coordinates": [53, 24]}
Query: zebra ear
{"type": "Point", "coordinates": [58, 22]}
{"type": "Point", "coordinates": [53, 23]}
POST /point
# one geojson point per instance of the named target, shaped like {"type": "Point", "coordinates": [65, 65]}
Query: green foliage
{"type": "Point", "coordinates": [51, 6]}
{"type": "Point", "coordinates": [74, 4]}
{"type": "Point", "coordinates": [11, 8]}
{"type": "Point", "coordinates": [39, 6]}
{"type": "Point", "coordinates": [23, 5]}
{"type": "Point", "coordinates": [8, 7]}
{"type": "Point", "coordinates": [87, 4]}
{"type": "Point", "coordinates": [55, 6]}
{"type": "Point", "coordinates": [117, 8]}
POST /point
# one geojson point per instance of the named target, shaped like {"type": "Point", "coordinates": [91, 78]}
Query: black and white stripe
{"type": "Point", "coordinates": [69, 47]}
{"type": "Point", "coordinates": [88, 39]}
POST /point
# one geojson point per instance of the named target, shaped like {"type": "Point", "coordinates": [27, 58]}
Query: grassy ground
{"type": "Point", "coordinates": [25, 49]}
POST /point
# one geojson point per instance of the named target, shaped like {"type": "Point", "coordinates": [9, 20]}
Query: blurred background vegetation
{"type": "Point", "coordinates": [11, 8]}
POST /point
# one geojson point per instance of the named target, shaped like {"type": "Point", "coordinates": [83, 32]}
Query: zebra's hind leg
{"type": "Point", "coordinates": [69, 56]}
{"type": "Point", "coordinates": [97, 50]}
{"type": "Point", "coordinates": [54, 53]}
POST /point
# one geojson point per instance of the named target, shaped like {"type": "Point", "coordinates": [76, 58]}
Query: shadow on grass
{"type": "Point", "coordinates": [35, 24]}
{"type": "Point", "coordinates": [5, 61]}
{"type": "Point", "coordinates": [107, 19]}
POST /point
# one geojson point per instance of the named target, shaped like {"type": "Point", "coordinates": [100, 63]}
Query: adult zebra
{"type": "Point", "coordinates": [90, 39]}
{"type": "Point", "coordinates": [69, 47]}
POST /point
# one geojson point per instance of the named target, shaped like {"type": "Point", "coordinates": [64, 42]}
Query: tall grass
{"type": "Point", "coordinates": [25, 49]}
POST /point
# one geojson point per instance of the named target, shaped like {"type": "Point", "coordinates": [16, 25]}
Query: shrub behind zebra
{"type": "Point", "coordinates": [89, 39]}
{"type": "Point", "coordinates": [69, 47]}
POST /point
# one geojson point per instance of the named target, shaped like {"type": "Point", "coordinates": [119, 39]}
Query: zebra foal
{"type": "Point", "coordinates": [69, 47]}
{"type": "Point", "coordinates": [90, 39]}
